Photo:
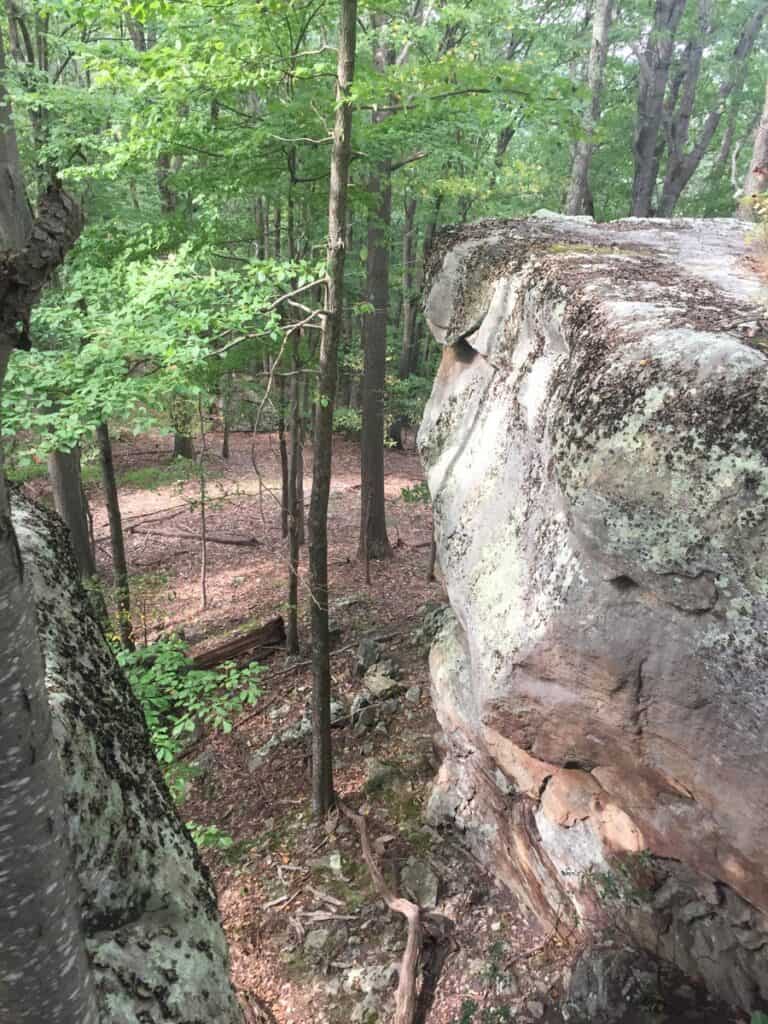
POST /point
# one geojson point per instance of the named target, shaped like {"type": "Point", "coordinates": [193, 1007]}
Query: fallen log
{"type": "Point", "coordinates": [211, 538]}
{"type": "Point", "coordinates": [250, 646]}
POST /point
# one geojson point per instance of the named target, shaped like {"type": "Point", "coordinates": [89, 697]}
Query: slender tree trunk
{"type": "Point", "coordinates": [322, 766]}
{"type": "Point", "coordinates": [226, 413]}
{"type": "Point", "coordinates": [654, 74]}
{"type": "Point", "coordinates": [64, 474]}
{"type": "Point", "coordinates": [374, 542]}
{"type": "Point", "coordinates": [203, 513]}
{"type": "Point", "coordinates": [292, 507]}
{"type": "Point", "coordinates": [300, 428]}
{"type": "Point", "coordinates": [756, 181]}
{"type": "Point", "coordinates": [285, 499]}
{"type": "Point", "coordinates": [44, 970]}
{"type": "Point", "coordinates": [119, 562]}
{"type": "Point", "coordinates": [579, 191]}
{"type": "Point", "coordinates": [409, 298]}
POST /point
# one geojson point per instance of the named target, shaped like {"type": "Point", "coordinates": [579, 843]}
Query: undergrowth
{"type": "Point", "coordinates": [178, 700]}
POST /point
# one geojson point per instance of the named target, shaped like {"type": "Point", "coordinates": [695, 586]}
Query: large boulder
{"type": "Point", "coordinates": [148, 907]}
{"type": "Point", "coordinates": [596, 446]}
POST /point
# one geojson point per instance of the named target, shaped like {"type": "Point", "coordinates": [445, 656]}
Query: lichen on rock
{"type": "Point", "coordinates": [148, 907]}
{"type": "Point", "coordinates": [596, 447]}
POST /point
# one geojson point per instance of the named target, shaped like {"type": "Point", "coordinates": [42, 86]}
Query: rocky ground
{"type": "Point", "coordinates": [311, 941]}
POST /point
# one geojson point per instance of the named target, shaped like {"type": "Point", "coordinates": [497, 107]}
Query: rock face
{"type": "Point", "coordinates": [596, 446]}
{"type": "Point", "coordinates": [148, 907]}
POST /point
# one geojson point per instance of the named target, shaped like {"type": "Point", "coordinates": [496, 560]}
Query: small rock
{"type": "Point", "coordinates": [380, 686]}
{"type": "Point", "coordinates": [535, 1008]}
{"type": "Point", "coordinates": [338, 712]}
{"type": "Point", "coordinates": [413, 694]}
{"type": "Point", "coordinates": [316, 940]}
{"type": "Point", "coordinates": [421, 882]}
{"type": "Point", "coordinates": [368, 653]}
{"type": "Point", "coordinates": [389, 667]}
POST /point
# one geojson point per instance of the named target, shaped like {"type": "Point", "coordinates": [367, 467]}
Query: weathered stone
{"type": "Point", "coordinates": [147, 903]}
{"type": "Point", "coordinates": [368, 653]}
{"type": "Point", "coordinates": [420, 882]}
{"type": "Point", "coordinates": [380, 685]}
{"type": "Point", "coordinates": [606, 984]}
{"type": "Point", "coordinates": [596, 448]}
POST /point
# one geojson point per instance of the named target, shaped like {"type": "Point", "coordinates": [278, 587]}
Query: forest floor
{"type": "Point", "coordinates": [311, 941]}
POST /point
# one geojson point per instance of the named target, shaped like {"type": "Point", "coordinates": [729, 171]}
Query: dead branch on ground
{"type": "Point", "coordinates": [405, 997]}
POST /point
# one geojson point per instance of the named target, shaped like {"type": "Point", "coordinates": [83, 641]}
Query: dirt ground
{"type": "Point", "coordinates": [310, 939]}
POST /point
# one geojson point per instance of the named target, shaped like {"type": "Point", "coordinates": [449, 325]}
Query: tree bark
{"type": "Point", "coordinates": [756, 181]}
{"type": "Point", "coordinates": [655, 63]}
{"type": "Point", "coordinates": [409, 297]}
{"type": "Point", "coordinates": [68, 500]}
{"type": "Point", "coordinates": [682, 164]}
{"type": "Point", "coordinates": [183, 446]}
{"type": "Point", "coordinates": [226, 412]}
{"type": "Point", "coordinates": [579, 193]}
{"type": "Point", "coordinates": [119, 561]}
{"type": "Point", "coordinates": [285, 499]}
{"type": "Point", "coordinates": [374, 542]}
{"type": "Point", "coordinates": [322, 768]}
{"type": "Point", "coordinates": [292, 507]}
{"type": "Point", "coordinates": [44, 970]}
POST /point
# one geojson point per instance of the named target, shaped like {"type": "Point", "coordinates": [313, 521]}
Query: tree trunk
{"type": "Point", "coordinates": [682, 164]}
{"type": "Point", "coordinates": [292, 508]}
{"type": "Point", "coordinates": [119, 562]}
{"type": "Point", "coordinates": [322, 767]}
{"type": "Point", "coordinates": [300, 426]}
{"type": "Point", "coordinates": [374, 542]}
{"type": "Point", "coordinates": [654, 74]}
{"type": "Point", "coordinates": [64, 474]}
{"type": "Point", "coordinates": [409, 298]}
{"type": "Point", "coordinates": [579, 192]}
{"type": "Point", "coordinates": [226, 412]}
{"type": "Point", "coordinates": [285, 499]}
{"type": "Point", "coordinates": [756, 181]}
{"type": "Point", "coordinates": [183, 446]}
{"type": "Point", "coordinates": [44, 969]}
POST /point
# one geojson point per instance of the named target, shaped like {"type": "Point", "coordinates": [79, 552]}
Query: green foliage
{"type": "Point", "coordinates": [177, 698]}
{"type": "Point", "coordinates": [348, 422]}
{"type": "Point", "coordinates": [758, 1017]}
{"type": "Point", "coordinates": [210, 837]}
{"type": "Point", "coordinates": [472, 1014]}
{"type": "Point", "coordinates": [416, 495]}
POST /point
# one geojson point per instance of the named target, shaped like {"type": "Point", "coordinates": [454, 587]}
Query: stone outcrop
{"type": "Point", "coordinates": [147, 904]}
{"type": "Point", "coordinates": [596, 446]}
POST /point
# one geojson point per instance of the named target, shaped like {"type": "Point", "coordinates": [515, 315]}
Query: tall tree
{"type": "Point", "coordinates": [322, 766]}
{"type": "Point", "coordinates": [44, 973]}
{"type": "Point", "coordinates": [655, 62]}
{"type": "Point", "coordinates": [579, 193]}
{"type": "Point", "coordinates": [683, 159]}
{"type": "Point", "coordinates": [374, 542]}
{"type": "Point", "coordinates": [756, 181]}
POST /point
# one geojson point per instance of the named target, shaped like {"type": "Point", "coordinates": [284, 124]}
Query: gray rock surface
{"type": "Point", "coordinates": [147, 903]}
{"type": "Point", "coordinates": [596, 448]}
